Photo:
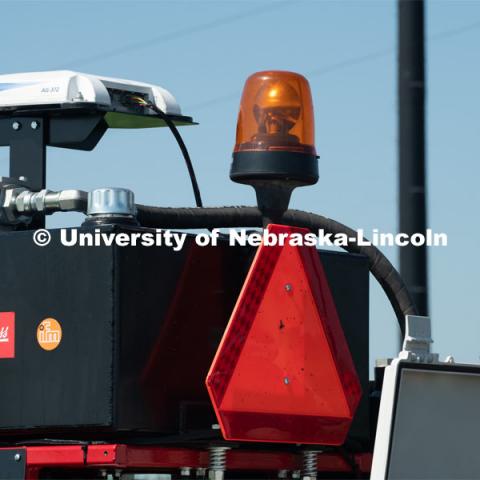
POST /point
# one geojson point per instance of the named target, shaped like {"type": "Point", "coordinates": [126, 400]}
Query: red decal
{"type": "Point", "coordinates": [7, 334]}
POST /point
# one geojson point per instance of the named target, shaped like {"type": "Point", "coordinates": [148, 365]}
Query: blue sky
{"type": "Point", "coordinates": [203, 51]}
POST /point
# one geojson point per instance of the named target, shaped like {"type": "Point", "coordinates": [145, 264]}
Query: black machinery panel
{"type": "Point", "coordinates": [139, 329]}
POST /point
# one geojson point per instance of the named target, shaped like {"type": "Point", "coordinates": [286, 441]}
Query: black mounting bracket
{"type": "Point", "coordinates": [29, 135]}
{"type": "Point", "coordinates": [26, 138]}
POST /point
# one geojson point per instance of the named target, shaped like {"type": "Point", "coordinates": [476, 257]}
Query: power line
{"type": "Point", "coordinates": [313, 73]}
{"type": "Point", "coordinates": [454, 31]}
{"type": "Point", "coordinates": [345, 63]}
{"type": "Point", "coordinates": [183, 32]}
{"type": "Point", "coordinates": [351, 61]}
{"type": "Point", "coordinates": [213, 101]}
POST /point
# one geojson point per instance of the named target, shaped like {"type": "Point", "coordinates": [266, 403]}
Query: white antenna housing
{"type": "Point", "coordinates": [65, 89]}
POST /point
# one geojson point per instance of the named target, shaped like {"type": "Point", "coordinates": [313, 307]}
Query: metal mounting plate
{"type": "Point", "coordinates": [12, 464]}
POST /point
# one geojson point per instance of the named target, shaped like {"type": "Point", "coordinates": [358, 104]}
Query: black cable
{"type": "Point", "coordinates": [183, 148]}
{"type": "Point", "coordinates": [379, 265]}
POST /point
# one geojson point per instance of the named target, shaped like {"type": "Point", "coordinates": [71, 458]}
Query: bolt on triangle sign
{"type": "Point", "coordinates": [283, 371]}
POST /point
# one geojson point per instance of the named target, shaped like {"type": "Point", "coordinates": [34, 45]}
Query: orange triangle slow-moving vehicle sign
{"type": "Point", "coordinates": [283, 371]}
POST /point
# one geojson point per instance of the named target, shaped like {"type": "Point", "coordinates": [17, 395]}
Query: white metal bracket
{"type": "Point", "coordinates": [417, 341]}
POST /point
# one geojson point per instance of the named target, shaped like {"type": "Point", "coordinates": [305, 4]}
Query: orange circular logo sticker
{"type": "Point", "coordinates": [49, 334]}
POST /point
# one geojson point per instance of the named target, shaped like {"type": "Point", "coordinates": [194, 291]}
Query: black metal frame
{"type": "Point", "coordinates": [28, 137]}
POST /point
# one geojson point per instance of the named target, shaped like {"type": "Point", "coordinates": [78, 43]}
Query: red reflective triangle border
{"type": "Point", "coordinates": [283, 371]}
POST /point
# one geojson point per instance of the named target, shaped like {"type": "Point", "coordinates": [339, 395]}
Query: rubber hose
{"type": "Point", "coordinates": [218, 217]}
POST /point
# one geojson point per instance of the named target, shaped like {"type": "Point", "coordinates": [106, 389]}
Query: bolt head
{"type": "Point", "coordinates": [16, 125]}
{"type": "Point", "coordinates": [39, 200]}
{"type": "Point", "coordinates": [7, 198]}
{"type": "Point", "coordinates": [34, 125]}
{"type": "Point", "coordinates": [17, 457]}
{"type": "Point", "coordinates": [286, 380]}
{"type": "Point", "coordinates": [288, 287]}
{"type": "Point", "coordinates": [216, 475]}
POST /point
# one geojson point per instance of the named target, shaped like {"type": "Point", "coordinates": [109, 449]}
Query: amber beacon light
{"type": "Point", "coordinates": [275, 145]}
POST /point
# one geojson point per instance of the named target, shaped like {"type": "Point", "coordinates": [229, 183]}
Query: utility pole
{"type": "Point", "coordinates": [411, 130]}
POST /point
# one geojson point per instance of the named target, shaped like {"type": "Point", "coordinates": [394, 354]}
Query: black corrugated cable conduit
{"type": "Point", "coordinates": [230, 217]}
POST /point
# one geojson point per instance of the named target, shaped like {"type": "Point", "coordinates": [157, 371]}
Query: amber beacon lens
{"type": "Point", "coordinates": [275, 130]}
